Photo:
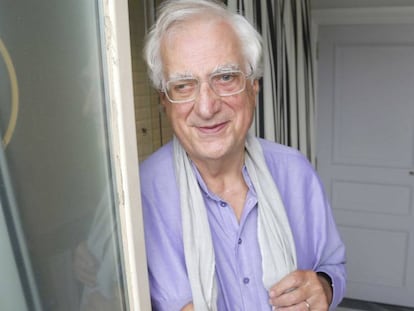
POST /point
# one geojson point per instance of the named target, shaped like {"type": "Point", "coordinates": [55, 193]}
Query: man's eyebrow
{"type": "Point", "coordinates": [226, 68]}
{"type": "Point", "coordinates": [219, 69]}
{"type": "Point", "coordinates": [179, 76]}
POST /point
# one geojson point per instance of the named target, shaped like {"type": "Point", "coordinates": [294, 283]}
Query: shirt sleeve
{"type": "Point", "coordinates": [169, 285]}
{"type": "Point", "coordinates": [330, 257]}
{"type": "Point", "coordinates": [325, 250]}
{"type": "Point", "coordinates": [318, 243]}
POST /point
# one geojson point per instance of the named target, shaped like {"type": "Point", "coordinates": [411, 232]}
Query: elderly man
{"type": "Point", "coordinates": [232, 222]}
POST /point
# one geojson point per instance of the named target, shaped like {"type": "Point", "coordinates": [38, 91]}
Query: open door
{"type": "Point", "coordinates": [365, 134]}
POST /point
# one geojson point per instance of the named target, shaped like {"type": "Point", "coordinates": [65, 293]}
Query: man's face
{"type": "Point", "coordinates": [210, 127]}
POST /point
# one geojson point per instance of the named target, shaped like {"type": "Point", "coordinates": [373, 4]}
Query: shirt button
{"type": "Point", "coordinates": [239, 241]}
{"type": "Point", "coordinates": [223, 204]}
{"type": "Point", "coordinates": [246, 280]}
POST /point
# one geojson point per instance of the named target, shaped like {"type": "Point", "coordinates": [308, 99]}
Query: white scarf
{"type": "Point", "coordinates": [274, 234]}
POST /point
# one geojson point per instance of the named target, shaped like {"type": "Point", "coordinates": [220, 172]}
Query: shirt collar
{"type": "Point", "coordinates": [213, 196]}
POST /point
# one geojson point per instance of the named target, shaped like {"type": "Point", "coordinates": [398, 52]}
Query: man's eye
{"type": "Point", "coordinates": [184, 86]}
{"type": "Point", "coordinates": [227, 77]}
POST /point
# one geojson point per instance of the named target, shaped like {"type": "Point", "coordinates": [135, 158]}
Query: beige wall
{"type": "Point", "coordinates": [153, 129]}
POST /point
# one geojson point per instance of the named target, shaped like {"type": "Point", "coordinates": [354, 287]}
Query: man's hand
{"type": "Point", "coordinates": [188, 307]}
{"type": "Point", "coordinates": [85, 265]}
{"type": "Point", "coordinates": [301, 291]}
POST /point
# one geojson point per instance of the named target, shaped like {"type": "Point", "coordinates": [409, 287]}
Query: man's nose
{"type": "Point", "coordinates": [208, 102]}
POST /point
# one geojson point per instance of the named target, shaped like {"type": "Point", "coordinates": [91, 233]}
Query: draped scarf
{"type": "Point", "coordinates": [274, 234]}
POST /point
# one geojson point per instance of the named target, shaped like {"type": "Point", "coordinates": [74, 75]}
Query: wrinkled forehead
{"type": "Point", "coordinates": [189, 20]}
{"type": "Point", "coordinates": [201, 47]}
{"type": "Point", "coordinates": [207, 23]}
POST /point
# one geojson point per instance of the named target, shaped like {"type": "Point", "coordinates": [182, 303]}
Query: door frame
{"type": "Point", "coordinates": [117, 49]}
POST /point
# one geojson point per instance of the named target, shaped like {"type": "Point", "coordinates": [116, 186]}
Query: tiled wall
{"type": "Point", "coordinates": [153, 129]}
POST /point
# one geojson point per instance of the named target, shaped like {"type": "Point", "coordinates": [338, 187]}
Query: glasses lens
{"type": "Point", "coordinates": [228, 83]}
{"type": "Point", "coordinates": [182, 90]}
{"type": "Point", "coordinates": [223, 84]}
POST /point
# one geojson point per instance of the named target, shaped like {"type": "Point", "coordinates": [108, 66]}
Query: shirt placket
{"type": "Point", "coordinates": [244, 267]}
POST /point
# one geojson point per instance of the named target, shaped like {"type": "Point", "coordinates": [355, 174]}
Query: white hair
{"type": "Point", "coordinates": [172, 12]}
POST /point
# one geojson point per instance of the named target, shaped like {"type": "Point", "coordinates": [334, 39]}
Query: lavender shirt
{"type": "Point", "coordinates": [238, 259]}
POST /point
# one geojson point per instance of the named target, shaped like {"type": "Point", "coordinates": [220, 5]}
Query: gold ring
{"type": "Point", "coordinates": [307, 304]}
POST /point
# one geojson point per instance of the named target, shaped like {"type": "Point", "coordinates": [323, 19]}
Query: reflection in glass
{"type": "Point", "coordinates": [59, 159]}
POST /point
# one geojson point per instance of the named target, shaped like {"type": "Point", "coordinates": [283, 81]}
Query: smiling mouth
{"type": "Point", "coordinates": [212, 129]}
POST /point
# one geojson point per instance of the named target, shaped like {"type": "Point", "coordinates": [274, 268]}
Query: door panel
{"type": "Point", "coordinates": [365, 146]}
{"type": "Point", "coordinates": [373, 84]}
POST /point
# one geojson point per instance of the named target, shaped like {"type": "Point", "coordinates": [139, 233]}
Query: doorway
{"type": "Point", "coordinates": [365, 150]}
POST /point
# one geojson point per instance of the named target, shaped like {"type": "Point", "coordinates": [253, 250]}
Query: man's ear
{"type": "Point", "coordinates": [163, 100]}
{"type": "Point", "coordinates": [256, 86]}
{"type": "Point", "coordinates": [255, 90]}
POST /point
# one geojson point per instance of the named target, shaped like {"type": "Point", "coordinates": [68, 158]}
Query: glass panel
{"type": "Point", "coordinates": [58, 219]}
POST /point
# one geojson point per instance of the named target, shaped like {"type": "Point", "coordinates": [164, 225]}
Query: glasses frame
{"type": "Point", "coordinates": [199, 81]}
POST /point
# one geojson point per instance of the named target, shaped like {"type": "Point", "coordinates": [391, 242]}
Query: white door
{"type": "Point", "coordinates": [365, 135]}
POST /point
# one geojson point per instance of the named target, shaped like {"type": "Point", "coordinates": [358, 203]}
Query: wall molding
{"type": "Point", "coordinates": [349, 16]}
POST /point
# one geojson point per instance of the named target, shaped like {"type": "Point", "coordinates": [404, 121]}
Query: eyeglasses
{"type": "Point", "coordinates": [183, 90]}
